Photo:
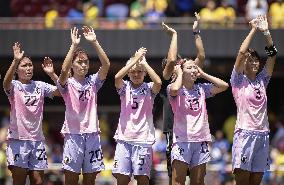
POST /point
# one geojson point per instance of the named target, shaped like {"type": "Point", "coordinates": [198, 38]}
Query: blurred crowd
{"type": "Point", "coordinates": [219, 169]}
{"type": "Point", "coordinates": [140, 13]}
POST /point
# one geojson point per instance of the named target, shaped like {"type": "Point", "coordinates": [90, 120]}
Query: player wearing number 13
{"type": "Point", "coordinates": [26, 153]}
{"type": "Point", "coordinates": [135, 130]}
{"type": "Point", "coordinates": [82, 149]}
{"type": "Point", "coordinates": [191, 128]}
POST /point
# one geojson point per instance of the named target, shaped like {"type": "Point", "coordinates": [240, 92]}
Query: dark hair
{"type": "Point", "coordinates": [253, 53]}
{"type": "Point", "coordinates": [164, 61]}
{"type": "Point", "coordinates": [25, 56]}
{"type": "Point", "coordinates": [77, 51]}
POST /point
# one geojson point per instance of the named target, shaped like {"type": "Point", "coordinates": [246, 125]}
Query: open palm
{"type": "Point", "coordinates": [74, 36]}
{"type": "Point", "coordinates": [47, 65]}
{"type": "Point", "coordinates": [18, 54]}
{"type": "Point", "coordinates": [262, 23]}
{"type": "Point", "coordinates": [89, 33]}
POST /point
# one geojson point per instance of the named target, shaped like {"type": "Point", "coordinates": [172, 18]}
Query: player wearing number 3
{"type": "Point", "coordinates": [135, 131]}
{"type": "Point", "coordinates": [250, 152]}
{"type": "Point", "coordinates": [82, 149]}
{"type": "Point", "coordinates": [26, 153]}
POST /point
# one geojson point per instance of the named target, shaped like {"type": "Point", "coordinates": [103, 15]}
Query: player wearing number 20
{"type": "Point", "coordinates": [135, 131]}
{"type": "Point", "coordinates": [26, 153]}
{"type": "Point", "coordinates": [82, 149]}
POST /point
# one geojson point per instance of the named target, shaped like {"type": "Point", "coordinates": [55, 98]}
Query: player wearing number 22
{"type": "Point", "coordinates": [26, 153]}
{"type": "Point", "coordinates": [82, 148]}
{"type": "Point", "coordinates": [135, 131]}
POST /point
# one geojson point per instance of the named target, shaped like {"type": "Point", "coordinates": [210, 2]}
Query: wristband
{"type": "Point", "coordinates": [271, 50]}
{"type": "Point", "coordinates": [196, 32]}
{"type": "Point", "coordinates": [266, 32]}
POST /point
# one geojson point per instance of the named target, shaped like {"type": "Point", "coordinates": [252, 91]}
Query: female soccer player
{"type": "Point", "coordinates": [82, 148]}
{"type": "Point", "coordinates": [191, 132]}
{"type": "Point", "coordinates": [26, 152]}
{"type": "Point", "coordinates": [168, 73]}
{"type": "Point", "coordinates": [135, 131]}
{"type": "Point", "coordinates": [251, 138]}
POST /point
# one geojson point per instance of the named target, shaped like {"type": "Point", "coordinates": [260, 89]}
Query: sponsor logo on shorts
{"type": "Point", "coordinates": [244, 159]}
{"type": "Point", "coordinates": [67, 159]}
{"type": "Point", "coordinates": [16, 157]}
{"type": "Point", "coordinates": [115, 165]}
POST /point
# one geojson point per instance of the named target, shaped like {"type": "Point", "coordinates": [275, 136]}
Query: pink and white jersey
{"type": "Point", "coordinates": [190, 113]}
{"type": "Point", "coordinates": [81, 105]}
{"type": "Point", "coordinates": [26, 109]}
{"type": "Point", "coordinates": [251, 101]}
{"type": "Point", "coordinates": [136, 118]}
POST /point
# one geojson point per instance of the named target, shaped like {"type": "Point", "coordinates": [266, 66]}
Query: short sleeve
{"type": "Point", "coordinates": [10, 92]}
{"type": "Point", "coordinates": [207, 88]}
{"type": "Point", "coordinates": [150, 86]}
{"type": "Point", "coordinates": [170, 97]}
{"type": "Point", "coordinates": [121, 91]}
{"type": "Point", "coordinates": [95, 80]}
{"type": "Point", "coordinates": [263, 76]}
{"type": "Point", "coordinates": [63, 89]}
{"type": "Point", "coordinates": [236, 79]}
{"type": "Point", "coordinates": [48, 90]}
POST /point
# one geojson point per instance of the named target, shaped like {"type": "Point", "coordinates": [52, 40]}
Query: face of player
{"type": "Point", "coordinates": [80, 65]}
{"type": "Point", "coordinates": [137, 74]}
{"type": "Point", "coordinates": [251, 64]}
{"type": "Point", "coordinates": [190, 70]}
{"type": "Point", "coordinates": [25, 70]}
{"type": "Point", "coordinates": [174, 75]}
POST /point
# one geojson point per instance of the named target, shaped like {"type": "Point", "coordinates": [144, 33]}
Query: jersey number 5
{"type": "Point", "coordinates": [134, 103]}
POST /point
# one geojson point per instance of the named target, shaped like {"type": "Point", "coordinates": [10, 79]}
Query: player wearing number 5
{"type": "Point", "coordinates": [26, 153]}
{"type": "Point", "coordinates": [82, 149]}
{"type": "Point", "coordinates": [135, 131]}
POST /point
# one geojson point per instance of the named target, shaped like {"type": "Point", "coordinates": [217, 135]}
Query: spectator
{"type": "Point", "coordinates": [76, 14]}
{"type": "Point", "coordinates": [276, 13]}
{"type": "Point", "coordinates": [255, 8]}
{"type": "Point", "coordinates": [91, 13]}
{"type": "Point", "coordinates": [279, 163]}
{"type": "Point", "coordinates": [184, 7]}
{"type": "Point", "coordinates": [51, 16]}
{"type": "Point", "coordinates": [225, 14]}
{"type": "Point", "coordinates": [137, 10]}
{"type": "Point", "coordinates": [208, 14]}
{"type": "Point", "coordinates": [229, 127]}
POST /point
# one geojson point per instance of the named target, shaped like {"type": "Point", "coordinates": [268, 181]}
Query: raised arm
{"type": "Point", "coordinates": [121, 73]}
{"type": "Point", "coordinates": [200, 58]}
{"type": "Point", "coordinates": [219, 85]}
{"type": "Point", "coordinates": [90, 35]}
{"type": "Point", "coordinates": [154, 77]}
{"type": "Point", "coordinates": [66, 66]}
{"type": "Point", "coordinates": [47, 67]}
{"type": "Point", "coordinates": [176, 85]}
{"type": "Point", "coordinates": [18, 55]}
{"type": "Point", "coordinates": [239, 64]}
{"type": "Point", "coordinates": [172, 53]}
{"type": "Point", "coordinates": [270, 48]}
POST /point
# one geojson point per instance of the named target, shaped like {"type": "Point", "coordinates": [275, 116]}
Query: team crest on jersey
{"type": "Point", "coordinates": [37, 90]}
{"type": "Point", "coordinates": [143, 91]}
